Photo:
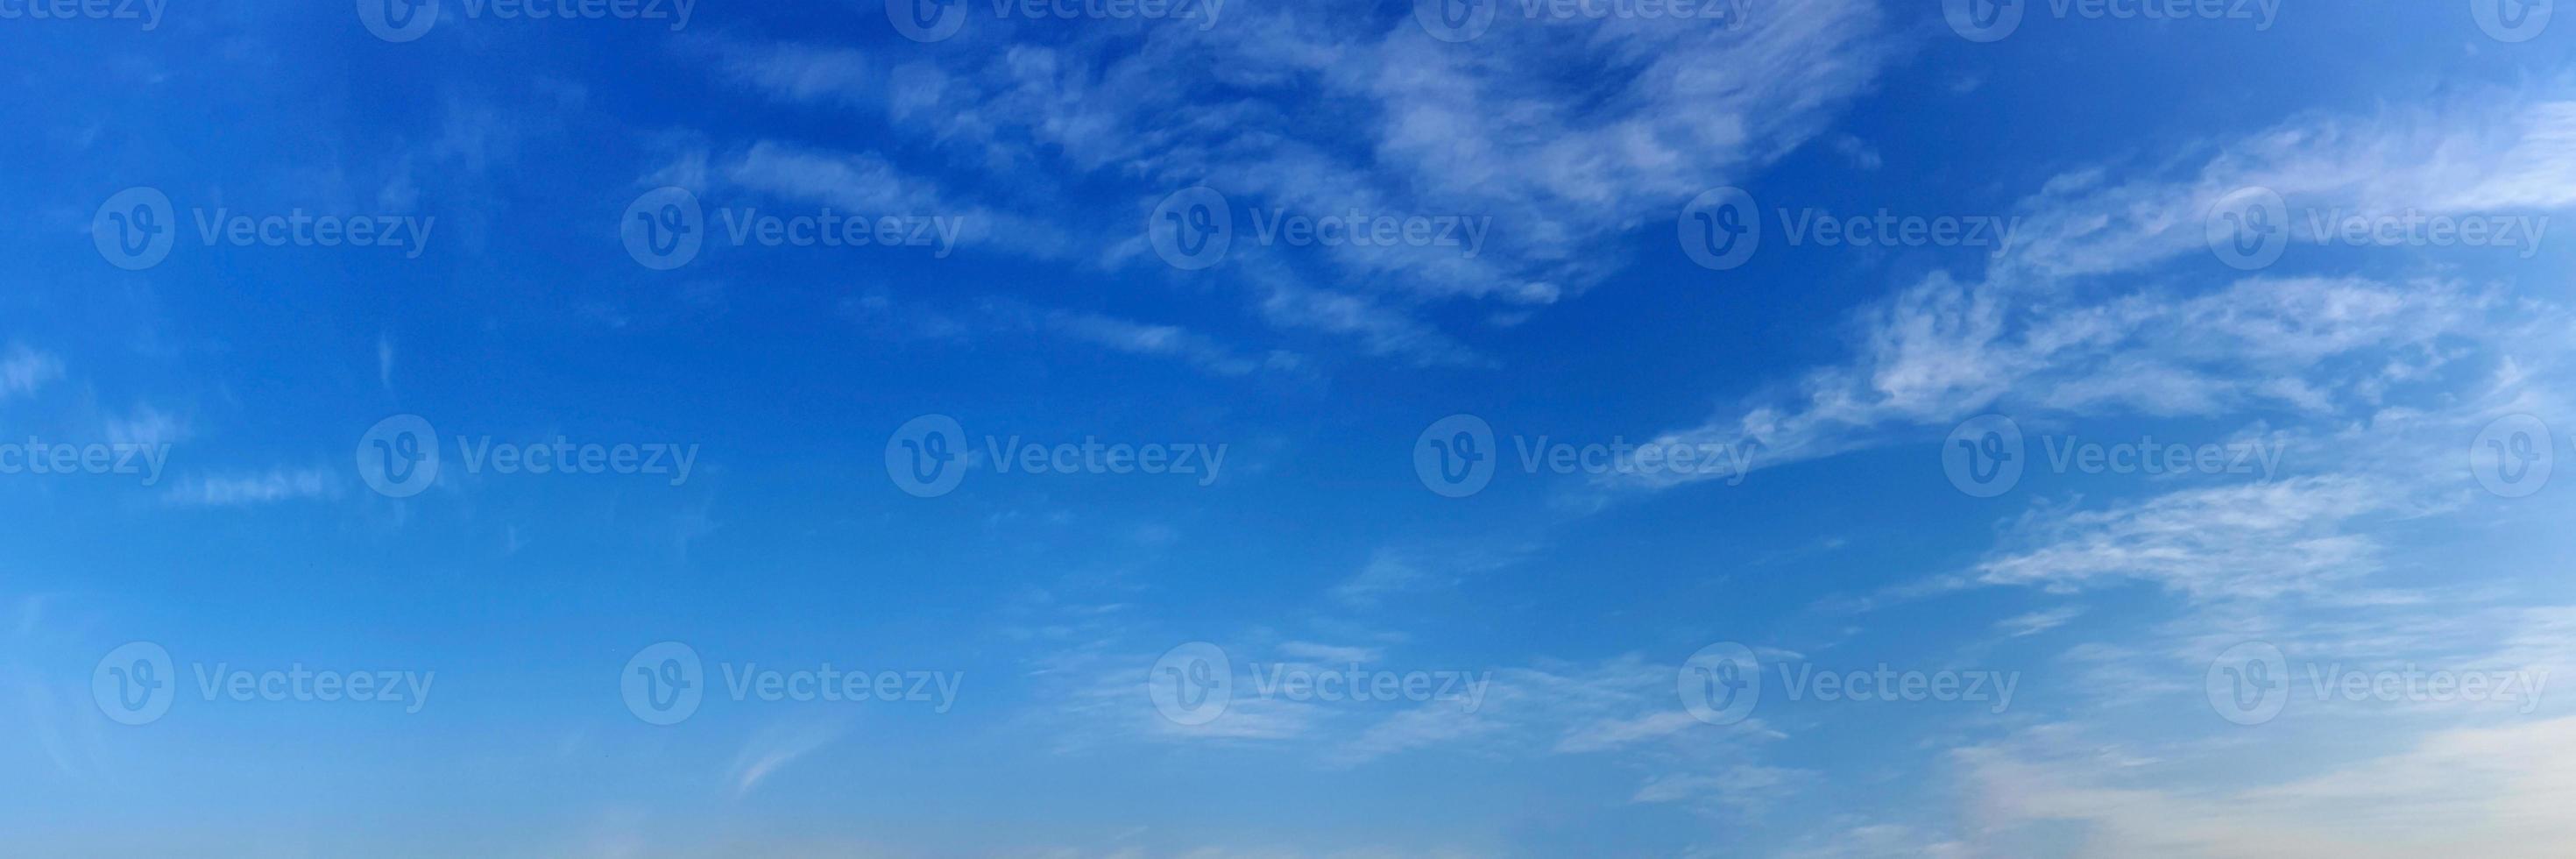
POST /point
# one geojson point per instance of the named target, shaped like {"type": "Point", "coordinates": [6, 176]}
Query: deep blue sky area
{"type": "Point", "coordinates": [1831, 428]}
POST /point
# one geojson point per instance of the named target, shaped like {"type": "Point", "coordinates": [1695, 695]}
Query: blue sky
{"type": "Point", "coordinates": [2150, 458]}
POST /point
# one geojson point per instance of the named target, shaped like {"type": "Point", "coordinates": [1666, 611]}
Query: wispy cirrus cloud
{"type": "Point", "coordinates": [1557, 163]}
{"type": "Point", "coordinates": [995, 318]}
{"type": "Point", "coordinates": [2042, 333]}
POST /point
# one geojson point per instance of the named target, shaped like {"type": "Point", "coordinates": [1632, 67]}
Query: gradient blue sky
{"type": "Point", "coordinates": [2373, 369]}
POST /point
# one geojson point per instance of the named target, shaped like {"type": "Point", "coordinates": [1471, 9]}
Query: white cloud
{"type": "Point", "coordinates": [2497, 791]}
{"type": "Point", "coordinates": [23, 370]}
{"type": "Point", "coordinates": [1323, 111]}
{"type": "Point", "coordinates": [147, 426]}
{"type": "Point", "coordinates": [2035, 335]}
{"type": "Point", "coordinates": [2034, 623]}
{"type": "Point", "coordinates": [274, 485]}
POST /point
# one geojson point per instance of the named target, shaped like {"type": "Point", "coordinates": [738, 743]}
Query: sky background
{"type": "Point", "coordinates": [1580, 600]}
